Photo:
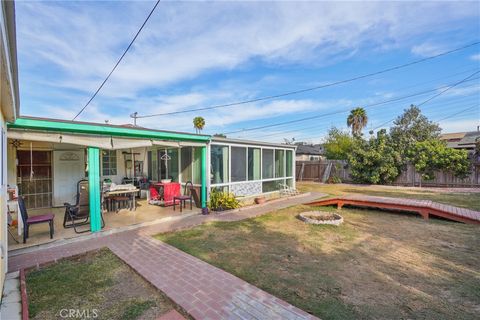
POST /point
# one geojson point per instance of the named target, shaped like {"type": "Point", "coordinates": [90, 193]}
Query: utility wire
{"type": "Point", "coordinates": [459, 112]}
{"type": "Point", "coordinates": [410, 86]}
{"type": "Point", "coordinates": [433, 97]}
{"type": "Point", "coordinates": [119, 60]}
{"type": "Point", "coordinates": [450, 116]}
{"type": "Point", "coordinates": [314, 136]}
{"type": "Point", "coordinates": [305, 135]}
{"type": "Point", "coordinates": [332, 113]}
{"type": "Point", "coordinates": [280, 95]}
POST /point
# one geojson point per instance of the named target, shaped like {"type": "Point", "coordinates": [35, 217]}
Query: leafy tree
{"type": "Point", "coordinates": [412, 127]}
{"type": "Point", "coordinates": [374, 161]}
{"type": "Point", "coordinates": [433, 155]}
{"type": "Point", "coordinates": [198, 124]}
{"type": "Point", "coordinates": [357, 120]}
{"type": "Point", "coordinates": [338, 144]}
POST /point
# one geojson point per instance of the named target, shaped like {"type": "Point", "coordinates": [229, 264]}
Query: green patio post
{"type": "Point", "coordinates": [204, 180]}
{"type": "Point", "coordinates": [94, 188]}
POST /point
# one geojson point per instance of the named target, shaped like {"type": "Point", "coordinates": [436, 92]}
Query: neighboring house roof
{"type": "Point", "coordinates": [461, 140]}
{"type": "Point", "coordinates": [252, 142]}
{"type": "Point", "coordinates": [452, 136]}
{"type": "Point", "coordinates": [9, 97]}
{"type": "Point", "coordinates": [310, 149]}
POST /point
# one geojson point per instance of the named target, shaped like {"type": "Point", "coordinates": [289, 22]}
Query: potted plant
{"type": "Point", "coordinates": [260, 200]}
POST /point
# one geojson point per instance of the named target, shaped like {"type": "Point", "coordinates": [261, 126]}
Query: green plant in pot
{"type": "Point", "coordinates": [220, 201]}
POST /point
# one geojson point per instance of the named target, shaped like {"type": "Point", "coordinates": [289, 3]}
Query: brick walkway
{"type": "Point", "coordinates": [205, 291]}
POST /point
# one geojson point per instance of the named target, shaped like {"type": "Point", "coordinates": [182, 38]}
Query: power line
{"type": "Point", "coordinates": [450, 116]}
{"type": "Point", "coordinates": [410, 86]}
{"type": "Point", "coordinates": [280, 95]}
{"type": "Point", "coordinates": [305, 135]}
{"type": "Point", "coordinates": [119, 60]}
{"type": "Point", "coordinates": [459, 112]}
{"type": "Point", "coordinates": [315, 135]}
{"type": "Point", "coordinates": [332, 113]}
{"type": "Point", "coordinates": [433, 97]}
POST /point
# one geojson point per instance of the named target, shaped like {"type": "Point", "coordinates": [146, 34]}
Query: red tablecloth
{"type": "Point", "coordinates": [170, 190]}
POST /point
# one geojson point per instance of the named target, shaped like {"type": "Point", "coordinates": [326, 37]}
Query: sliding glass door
{"type": "Point", "coordinates": [163, 164]}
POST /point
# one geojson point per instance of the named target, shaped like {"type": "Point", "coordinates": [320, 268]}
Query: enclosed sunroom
{"type": "Point", "coordinates": [249, 168]}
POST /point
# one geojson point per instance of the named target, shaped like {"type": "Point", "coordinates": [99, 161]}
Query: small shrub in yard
{"type": "Point", "coordinates": [220, 200]}
{"type": "Point", "coordinates": [334, 179]}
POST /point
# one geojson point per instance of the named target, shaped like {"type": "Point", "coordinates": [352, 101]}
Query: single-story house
{"type": "Point", "coordinates": [462, 140]}
{"type": "Point", "coordinates": [9, 104]}
{"type": "Point", "coordinates": [309, 152]}
{"type": "Point", "coordinates": [46, 158]}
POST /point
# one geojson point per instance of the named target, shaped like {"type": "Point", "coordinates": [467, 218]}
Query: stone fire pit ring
{"type": "Point", "coordinates": [315, 217]}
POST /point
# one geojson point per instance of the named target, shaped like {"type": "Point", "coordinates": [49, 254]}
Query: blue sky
{"type": "Point", "coordinates": [199, 54]}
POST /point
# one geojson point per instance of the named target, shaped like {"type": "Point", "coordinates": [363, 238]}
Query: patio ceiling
{"type": "Point", "coordinates": [103, 142]}
{"type": "Point", "coordinates": [95, 131]}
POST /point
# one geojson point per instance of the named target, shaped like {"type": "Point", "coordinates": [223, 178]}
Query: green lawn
{"type": "Point", "coordinates": [377, 265]}
{"type": "Point", "coordinates": [99, 284]}
{"type": "Point", "coordinates": [466, 200]}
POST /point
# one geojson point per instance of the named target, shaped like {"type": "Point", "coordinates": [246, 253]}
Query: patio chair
{"type": "Point", "coordinates": [187, 196]}
{"type": "Point", "coordinates": [27, 221]}
{"type": "Point", "coordinates": [78, 214]}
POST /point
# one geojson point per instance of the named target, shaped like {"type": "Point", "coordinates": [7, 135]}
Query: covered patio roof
{"type": "Point", "coordinates": [75, 127]}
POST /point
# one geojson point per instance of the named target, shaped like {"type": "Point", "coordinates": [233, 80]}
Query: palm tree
{"type": "Point", "coordinates": [198, 124]}
{"type": "Point", "coordinates": [357, 119]}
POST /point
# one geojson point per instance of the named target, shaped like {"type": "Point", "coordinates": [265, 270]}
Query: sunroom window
{"type": "Point", "coordinates": [254, 164]}
{"type": "Point", "coordinates": [267, 164]}
{"type": "Point", "coordinates": [239, 164]}
{"type": "Point", "coordinates": [279, 163]}
{"type": "Point", "coordinates": [289, 168]}
{"type": "Point", "coordinates": [219, 164]}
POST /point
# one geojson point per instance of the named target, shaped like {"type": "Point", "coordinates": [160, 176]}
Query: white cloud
{"type": "Point", "coordinates": [67, 49]}
{"type": "Point", "coordinates": [428, 49]}
{"type": "Point", "coordinates": [475, 57]}
{"type": "Point", "coordinates": [460, 125]}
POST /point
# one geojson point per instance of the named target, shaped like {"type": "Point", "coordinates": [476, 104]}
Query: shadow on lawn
{"type": "Point", "coordinates": [375, 265]}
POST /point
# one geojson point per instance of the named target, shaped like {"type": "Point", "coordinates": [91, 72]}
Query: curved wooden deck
{"type": "Point", "coordinates": [424, 207]}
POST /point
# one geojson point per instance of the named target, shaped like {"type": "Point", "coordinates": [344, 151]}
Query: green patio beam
{"type": "Point", "coordinates": [94, 188]}
{"type": "Point", "coordinates": [107, 130]}
{"type": "Point", "coordinates": [204, 180]}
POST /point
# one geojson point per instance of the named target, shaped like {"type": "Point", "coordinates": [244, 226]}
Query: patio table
{"type": "Point", "coordinates": [117, 192]}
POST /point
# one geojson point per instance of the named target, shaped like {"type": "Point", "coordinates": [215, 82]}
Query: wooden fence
{"type": "Point", "coordinates": [321, 171]}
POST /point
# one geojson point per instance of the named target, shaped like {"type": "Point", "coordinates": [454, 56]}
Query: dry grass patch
{"type": "Point", "coordinates": [98, 285]}
{"type": "Point", "coordinates": [376, 265]}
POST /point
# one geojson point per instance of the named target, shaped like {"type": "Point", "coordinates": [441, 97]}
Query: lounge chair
{"type": "Point", "coordinates": [27, 221]}
{"type": "Point", "coordinates": [78, 214]}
